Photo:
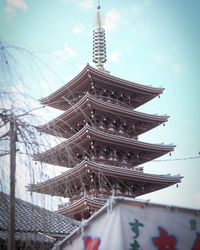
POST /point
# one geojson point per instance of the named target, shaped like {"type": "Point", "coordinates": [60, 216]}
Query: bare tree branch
{"type": "Point", "coordinates": [4, 135]}
{"type": "Point", "coordinates": [3, 154]}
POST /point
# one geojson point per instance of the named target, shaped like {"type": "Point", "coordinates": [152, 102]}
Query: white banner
{"type": "Point", "coordinates": [132, 226]}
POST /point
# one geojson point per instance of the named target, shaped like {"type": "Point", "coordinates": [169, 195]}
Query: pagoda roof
{"type": "Point", "coordinates": [71, 209]}
{"type": "Point", "coordinates": [86, 135]}
{"type": "Point", "coordinates": [59, 125]}
{"type": "Point", "coordinates": [72, 177]}
{"type": "Point", "coordinates": [90, 74]}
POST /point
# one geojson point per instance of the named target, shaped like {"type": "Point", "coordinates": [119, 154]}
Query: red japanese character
{"type": "Point", "coordinates": [90, 243]}
{"type": "Point", "coordinates": [164, 241]}
{"type": "Point", "coordinates": [196, 245]}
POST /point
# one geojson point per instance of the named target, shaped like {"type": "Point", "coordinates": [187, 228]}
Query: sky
{"type": "Point", "coordinates": [152, 42]}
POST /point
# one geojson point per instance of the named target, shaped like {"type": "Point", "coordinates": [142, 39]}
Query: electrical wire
{"type": "Point", "coordinates": [179, 159]}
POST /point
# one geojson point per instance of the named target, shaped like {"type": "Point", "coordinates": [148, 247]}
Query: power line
{"type": "Point", "coordinates": [179, 159]}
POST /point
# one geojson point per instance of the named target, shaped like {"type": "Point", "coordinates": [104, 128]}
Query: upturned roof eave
{"type": "Point", "coordinates": [58, 93]}
{"type": "Point", "coordinates": [72, 110]}
{"type": "Point", "coordinates": [88, 70]}
{"type": "Point", "coordinates": [81, 203]}
{"type": "Point", "coordinates": [114, 139]}
{"type": "Point", "coordinates": [107, 170]}
{"type": "Point", "coordinates": [112, 107]}
{"type": "Point", "coordinates": [117, 80]}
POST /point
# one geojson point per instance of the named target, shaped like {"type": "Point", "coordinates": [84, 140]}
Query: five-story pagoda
{"type": "Point", "coordinates": [101, 128]}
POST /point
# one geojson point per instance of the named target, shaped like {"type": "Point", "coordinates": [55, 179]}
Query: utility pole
{"type": "Point", "coordinates": [13, 139]}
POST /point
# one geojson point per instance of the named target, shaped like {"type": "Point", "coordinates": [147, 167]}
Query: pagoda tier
{"type": "Point", "coordinates": [100, 181]}
{"type": "Point", "coordinates": [105, 116]}
{"type": "Point", "coordinates": [101, 85]}
{"type": "Point", "coordinates": [102, 147]}
{"type": "Point", "coordinates": [82, 208]}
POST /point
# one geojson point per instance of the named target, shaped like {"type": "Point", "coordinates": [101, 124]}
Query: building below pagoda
{"type": "Point", "coordinates": [35, 227]}
{"type": "Point", "coordinates": [101, 150]}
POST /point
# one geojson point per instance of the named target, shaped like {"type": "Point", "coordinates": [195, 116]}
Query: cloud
{"type": "Point", "coordinates": [10, 11]}
{"type": "Point", "coordinates": [18, 4]}
{"type": "Point", "coordinates": [177, 68]}
{"type": "Point", "coordinates": [136, 8]}
{"type": "Point", "coordinates": [86, 4]}
{"type": "Point", "coordinates": [115, 56]}
{"type": "Point", "coordinates": [58, 53]}
{"type": "Point", "coordinates": [13, 5]}
{"type": "Point", "coordinates": [78, 28]}
{"type": "Point", "coordinates": [83, 4]}
{"type": "Point", "coordinates": [67, 53]}
{"type": "Point", "coordinates": [45, 85]}
{"type": "Point", "coordinates": [70, 52]}
{"type": "Point", "coordinates": [112, 19]}
{"type": "Point", "coordinates": [157, 57]}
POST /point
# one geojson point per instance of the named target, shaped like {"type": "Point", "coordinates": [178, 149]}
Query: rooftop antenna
{"type": "Point", "coordinates": [99, 41]}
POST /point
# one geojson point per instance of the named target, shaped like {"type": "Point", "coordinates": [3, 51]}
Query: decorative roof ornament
{"type": "Point", "coordinates": [99, 41]}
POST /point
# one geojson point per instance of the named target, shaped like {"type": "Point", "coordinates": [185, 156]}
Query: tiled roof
{"type": "Point", "coordinates": [25, 236]}
{"type": "Point", "coordinates": [33, 222]}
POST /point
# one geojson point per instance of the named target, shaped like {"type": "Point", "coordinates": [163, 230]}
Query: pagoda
{"type": "Point", "coordinates": [101, 148]}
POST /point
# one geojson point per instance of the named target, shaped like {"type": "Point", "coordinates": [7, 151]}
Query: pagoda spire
{"type": "Point", "coordinates": [99, 41]}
